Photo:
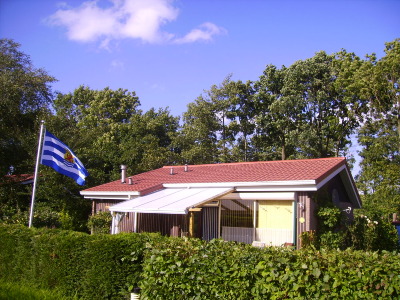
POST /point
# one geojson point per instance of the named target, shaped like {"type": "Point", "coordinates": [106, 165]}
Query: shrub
{"type": "Point", "coordinates": [194, 269]}
{"type": "Point", "coordinates": [110, 266]}
{"type": "Point", "coordinates": [371, 234]}
{"type": "Point", "coordinates": [363, 233]}
{"type": "Point", "coordinates": [100, 222]}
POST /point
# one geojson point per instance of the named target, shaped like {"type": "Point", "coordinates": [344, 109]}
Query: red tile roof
{"type": "Point", "coordinates": [261, 171]}
{"type": "Point", "coordinates": [19, 178]}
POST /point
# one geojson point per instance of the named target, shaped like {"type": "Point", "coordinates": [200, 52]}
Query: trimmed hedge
{"type": "Point", "coordinates": [110, 266]}
{"type": "Point", "coordinates": [78, 264]}
{"type": "Point", "coordinates": [193, 269]}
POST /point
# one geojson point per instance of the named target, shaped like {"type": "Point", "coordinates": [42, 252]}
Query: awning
{"type": "Point", "coordinates": [171, 200]}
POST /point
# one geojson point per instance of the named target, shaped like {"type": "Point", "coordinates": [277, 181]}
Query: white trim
{"type": "Point", "coordinates": [295, 188]}
{"type": "Point", "coordinates": [260, 196]}
{"type": "Point", "coordinates": [240, 184]}
{"type": "Point", "coordinates": [328, 178]}
{"type": "Point", "coordinates": [110, 195]}
{"type": "Point", "coordinates": [347, 182]}
{"type": "Point", "coordinates": [353, 188]}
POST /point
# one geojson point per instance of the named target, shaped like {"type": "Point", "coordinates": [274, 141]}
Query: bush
{"type": "Point", "coordinates": [78, 264]}
{"type": "Point", "coordinates": [110, 266]}
{"type": "Point", "coordinates": [372, 234]}
{"type": "Point", "coordinates": [22, 292]}
{"type": "Point", "coordinates": [363, 233]}
{"type": "Point", "coordinates": [194, 269]}
{"type": "Point", "coordinates": [100, 222]}
{"type": "Point", "coordinates": [113, 265]}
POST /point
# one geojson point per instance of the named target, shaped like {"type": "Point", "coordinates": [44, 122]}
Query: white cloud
{"type": "Point", "coordinates": [117, 64]}
{"type": "Point", "coordinates": [136, 19]}
{"type": "Point", "coordinates": [204, 32]}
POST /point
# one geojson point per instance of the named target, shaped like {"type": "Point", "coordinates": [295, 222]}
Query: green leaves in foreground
{"type": "Point", "coordinates": [110, 266]}
{"type": "Point", "coordinates": [193, 269]}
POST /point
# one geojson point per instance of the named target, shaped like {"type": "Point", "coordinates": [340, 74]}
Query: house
{"type": "Point", "coordinates": [19, 178]}
{"type": "Point", "coordinates": [260, 203]}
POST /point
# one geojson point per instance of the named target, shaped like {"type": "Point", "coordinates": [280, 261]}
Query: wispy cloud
{"type": "Point", "coordinates": [205, 32]}
{"type": "Point", "coordinates": [117, 65]}
{"type": "Point", "coordinates": [122, 19]}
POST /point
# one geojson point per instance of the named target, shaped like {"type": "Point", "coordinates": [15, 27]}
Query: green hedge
{"type": "Point", "coordinates": [78, 264]}
{"type": "Point", "coordinates": [110, 266]}
{"type": "Point", "coordinates": [193, 269]}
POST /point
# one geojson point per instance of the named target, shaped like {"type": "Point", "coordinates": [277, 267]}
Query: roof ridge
{"type": "Point", "coordinates": [254, 162]}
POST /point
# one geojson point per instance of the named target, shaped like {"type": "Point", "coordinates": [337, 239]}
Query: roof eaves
{"type": "Point", "coordinates": [109, 195]}
{"type": "Point", "coordinates": [292, 185]}
{"type": "Point", "coordinates": [328, 177]}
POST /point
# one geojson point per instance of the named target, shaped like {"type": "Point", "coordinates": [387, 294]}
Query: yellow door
{"type": "Point", "coordinates": [275, 222]}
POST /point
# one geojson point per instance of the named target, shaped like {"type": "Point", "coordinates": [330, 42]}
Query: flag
{"type": "Point", "coordinates": [57, 155]}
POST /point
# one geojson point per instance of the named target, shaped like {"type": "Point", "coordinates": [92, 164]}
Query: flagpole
{"type": "Point", "coordinates": [39, 153]}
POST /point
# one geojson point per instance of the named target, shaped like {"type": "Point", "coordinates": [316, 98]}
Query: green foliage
{"type": "Point", "coordinates": [113, 265]}
{"type": "Point", "coordinates": [330, 217]}
{"type": "Point", "coordinates": [379, 179]}
{"type": "Point", "coordinates": [100, 222]}
{"type": "Point", "coordinates": [75, 263]}
{"type": "Point", "coordinates": [194, 269]}
{"type": "Point", "coordinates": [25, 96]}
{"type": "Point", "coordinates": [311, 274]}
{"type": "Point", "coordinates": [110, 266]}
{"type": "Point", "coordinates": [305, 110]}
{"type": "Point", "coordinates": [219, 124]}
{"type": "Point", "coordinates": [362, 233]}
{"type": "Point", "coordinates": [372, 234]}
{"type": "Point", "coordinates": [21, 292]}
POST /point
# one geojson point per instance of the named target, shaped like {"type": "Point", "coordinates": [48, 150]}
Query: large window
{"type": "Point", "coordinates": [266, 221]}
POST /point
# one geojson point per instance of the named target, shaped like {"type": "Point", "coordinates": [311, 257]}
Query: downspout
{"type": "Point", "coordinates": [113, 223]}
{"type": "Point", "coordinates": [219, 219]}
{"type": "Point", "coordinates": [135, 223]}
{"type": "Point", "coordinates": [254, 219]}
{"type": "Point", "coordinates": [295, 221]}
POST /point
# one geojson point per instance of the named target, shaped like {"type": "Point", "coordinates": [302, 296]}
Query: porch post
{"type": "Point", "coordinates": [135, 223]}
{"type": "Point", "coordinates": [254, 219]}
{"type": "Point", "coordinates": [295, 220]}
{"type": "Point", "coordinates": [113, 223]}
{"type": "Point", "coordinates": [219, 219]}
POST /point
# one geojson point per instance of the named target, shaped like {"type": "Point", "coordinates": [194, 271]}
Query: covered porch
{"type": "Point", "coordinates": [258, 218]}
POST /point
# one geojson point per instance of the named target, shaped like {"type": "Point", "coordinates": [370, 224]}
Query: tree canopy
{"type": "Point", "coordinates": [25, 95]}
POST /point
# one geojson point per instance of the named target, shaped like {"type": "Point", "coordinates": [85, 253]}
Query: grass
{"type": "Point", "coordinates": [16, 291]}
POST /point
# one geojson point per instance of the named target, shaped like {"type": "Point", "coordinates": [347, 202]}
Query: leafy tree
{"type": "Point", "coordinates": [379, 137]}
{"type": "Point", "coordinates": [381, 82]}
{"type": "Point", "coordinates": [274, 116]}
{"type": "Point", "coordinates": [379, 179]}
{"type": "Point", "coordinates": [149, 141]}
{"type": "Point", "coordinates": [96, 121]}
{"type": "Point", "coordinates": [221, 103]}
{"type": "Point", "coordinates": [219, 124]}
{"type": "Point", "coordinates": [109, 130]}
{"type": "Point", "coordinates": [241, 118]}
{"type": "Point", "coordinates": [306, 110]}
{"type": "Point", "coordinates": [25, 98]}
{"type": "Point", "coordinates": [326, 118]}
{"type": "Point", "coordinates": [25, 94]}
{"type": "Point", "coordinates": [198, 138]}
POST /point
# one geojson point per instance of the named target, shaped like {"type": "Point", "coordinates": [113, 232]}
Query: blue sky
{"type": "Point", "coordinates": [169, 52]}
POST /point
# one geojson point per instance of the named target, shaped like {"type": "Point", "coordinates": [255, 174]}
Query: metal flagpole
{"type": "Point", "coordinates": [39, 153]}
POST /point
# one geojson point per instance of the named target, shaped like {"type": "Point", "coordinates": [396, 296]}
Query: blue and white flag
{"type": "Point", "coordinates": [57, 155]}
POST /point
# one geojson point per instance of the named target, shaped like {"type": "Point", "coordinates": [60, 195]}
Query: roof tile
{"type": "Point", "coordinates": [261, 171]}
